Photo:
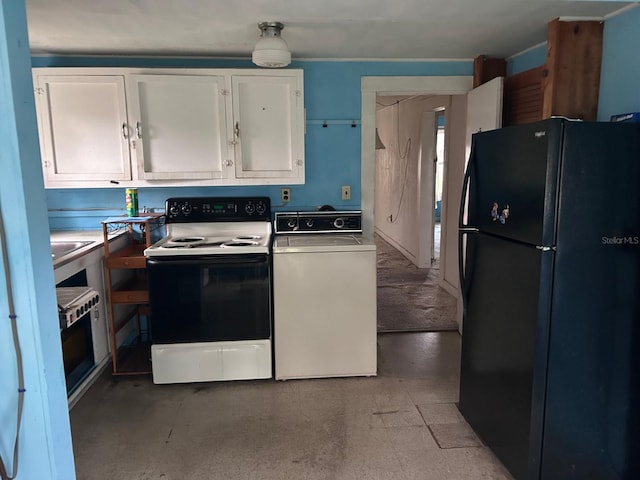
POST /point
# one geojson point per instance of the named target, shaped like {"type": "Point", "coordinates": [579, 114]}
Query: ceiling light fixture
{"type": "Point", "coordinates": [271, 50]}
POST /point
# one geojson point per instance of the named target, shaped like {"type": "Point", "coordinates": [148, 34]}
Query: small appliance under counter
{"type": "Point", "coordinates": [324, 299]}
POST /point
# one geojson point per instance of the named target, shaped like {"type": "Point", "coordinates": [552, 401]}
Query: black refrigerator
{"type": "Point", "coordinates": [550, 276]}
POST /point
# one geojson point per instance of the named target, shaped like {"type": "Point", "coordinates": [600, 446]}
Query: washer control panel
{"type": "Point", "coordinates": [318, 222]}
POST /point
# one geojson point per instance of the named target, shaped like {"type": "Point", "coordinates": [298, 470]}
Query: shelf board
{"type": "Point", "coordinates": [134, 290]}
{"type": "Point", "coordinates": [131, 256]}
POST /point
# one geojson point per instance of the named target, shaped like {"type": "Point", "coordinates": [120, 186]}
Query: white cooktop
{"type": "Point", "coordinates": [213, 238]}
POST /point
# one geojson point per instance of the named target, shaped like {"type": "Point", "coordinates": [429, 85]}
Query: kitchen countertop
{"type": "Point", "coordinates": [93, 236]}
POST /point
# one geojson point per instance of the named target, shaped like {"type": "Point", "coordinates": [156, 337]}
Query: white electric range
{"type": "Point", "coordinates": [210, 291]}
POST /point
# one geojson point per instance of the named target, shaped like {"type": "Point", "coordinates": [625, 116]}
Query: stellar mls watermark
{"type": "Point", "coordinates": [620, 240]}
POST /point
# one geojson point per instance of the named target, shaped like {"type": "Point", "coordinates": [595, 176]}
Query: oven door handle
{"type": "Point", "coordinates": [200, 260]}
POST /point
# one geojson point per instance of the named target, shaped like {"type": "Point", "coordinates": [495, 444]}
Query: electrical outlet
{"type": "Point", "coordinates": [285, 194]}
{"type": "Point", "coordinates": [346, 192]}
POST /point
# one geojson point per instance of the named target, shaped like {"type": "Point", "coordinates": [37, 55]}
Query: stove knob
{"type": "Point", "coordinates": [261, 208]}
{"type": "Point", "coordinates": [338, 222]}
{"type": "Point", "coordinates": [174, 210]}
{"type": "Point", "coordinates": [249, 208]}
{"type": "Point", "coordinates": [309, 222]}
{"type": "Point", "coordinates": [292, 223]}
{"type": "Point", "coordinates": [186, 209]}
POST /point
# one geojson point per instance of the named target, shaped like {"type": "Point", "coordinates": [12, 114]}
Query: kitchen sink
{"type": "Point", "coordinates": [60, 249]}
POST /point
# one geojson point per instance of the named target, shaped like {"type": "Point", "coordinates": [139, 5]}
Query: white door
{"type": "Point", "coordinates": [426, 188]}
{"type": "Point", "coordinates": [266, 127]}
{"type": "Point", "coordinates": [484, 109]}
{"type": "Point", "coordinates": [484, 112]}
{"type": "Point", "coordinates": [179, 126]}
{"type": "Point", "coordinates": [83, 128]}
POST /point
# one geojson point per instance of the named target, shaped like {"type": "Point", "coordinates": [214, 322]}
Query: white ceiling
{"type": "Point", "coordinates": [326, 29]}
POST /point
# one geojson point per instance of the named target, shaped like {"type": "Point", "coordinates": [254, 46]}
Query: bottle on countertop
{"type": "Point", "coordinates": [131, 198]}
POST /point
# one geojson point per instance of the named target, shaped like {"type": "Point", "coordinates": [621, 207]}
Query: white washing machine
{"type": "Point", "coordinates": [324, 276]}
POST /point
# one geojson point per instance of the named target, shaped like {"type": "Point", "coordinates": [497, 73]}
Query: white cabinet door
{"type": "Point", "coordinates": [268, 128]}
{"type": "Point", "coordinates": [178, 123]}
{"type": "Point", "coordinates": [83, 130]}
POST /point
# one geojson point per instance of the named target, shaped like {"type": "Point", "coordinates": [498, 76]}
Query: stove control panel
{"type": "Point", "coordinates": [217, 209]}
{"type": "Point", "coordinates": [318, 222]}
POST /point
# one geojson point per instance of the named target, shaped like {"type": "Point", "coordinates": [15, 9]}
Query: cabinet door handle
{"type": "Point", "coordinates": [236, 134]}
{"type": "Point", "coordinates": [138, 130]}
{"type": "Point", "coordinates": [125, 131]}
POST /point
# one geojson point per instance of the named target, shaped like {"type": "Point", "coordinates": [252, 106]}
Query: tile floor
{"type": "Point", "coordinates": [402, 424]}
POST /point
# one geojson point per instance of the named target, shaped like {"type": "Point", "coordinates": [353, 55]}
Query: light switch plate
{"type": "Point", "coordinates": [346, 192]}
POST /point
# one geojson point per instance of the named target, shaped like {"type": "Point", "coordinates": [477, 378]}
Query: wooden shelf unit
{"type": "Point", "coordinates": [131, 290]}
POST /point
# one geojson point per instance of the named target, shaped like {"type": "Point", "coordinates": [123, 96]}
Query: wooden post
{"type": "Point", "coordinates": [572, 79]}
{"type": "Point", "coordinates": [485, 69]}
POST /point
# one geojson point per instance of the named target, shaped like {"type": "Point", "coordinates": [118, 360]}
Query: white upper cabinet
{"type": "Point", "coordinates": [266, 123]}
{"type": "Point", "coordinates": [82, 123]}
{"type": "Point", "coordinates": [144, 127]}
{"type": "Point", "coordinates": [179, 124]}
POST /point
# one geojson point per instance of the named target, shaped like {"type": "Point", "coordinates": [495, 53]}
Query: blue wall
{"type": "Point", "coordinates": [620, 78]}
{"type": "Point", "coordinates": [534, 57]}
{"type": "Point", "coordinates": [332, 92]}
{"type": "Point", "coordinates": [45, 436]}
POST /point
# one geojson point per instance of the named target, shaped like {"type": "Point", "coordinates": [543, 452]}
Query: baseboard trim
{"type": "Point", "coordinates": [410, 256]}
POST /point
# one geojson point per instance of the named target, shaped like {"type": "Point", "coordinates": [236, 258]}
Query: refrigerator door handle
{"type": "Point", "coordinates": [465, 190]}
{"type": "Point", "coordinates": [463, 228]}
{"type": "Point", "coordinates": [461, 263]}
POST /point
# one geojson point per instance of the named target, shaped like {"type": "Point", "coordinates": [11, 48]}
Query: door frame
{"type": "Point", "coordinates": [370, 88]}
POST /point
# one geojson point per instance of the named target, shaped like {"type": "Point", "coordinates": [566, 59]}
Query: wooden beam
{"type": "Point", "coordinates": [485, 69]}
{"type": "Point", "coordinates": [572, 81]}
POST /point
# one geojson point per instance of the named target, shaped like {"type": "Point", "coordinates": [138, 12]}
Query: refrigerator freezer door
{"type": "Point", "coordinates": [513, 181]}
{"type": "Point", "coordinates": [504, 297]}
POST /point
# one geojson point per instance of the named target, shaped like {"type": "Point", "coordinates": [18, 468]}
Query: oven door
{"type": "Point", "coordinates": [210, 298]}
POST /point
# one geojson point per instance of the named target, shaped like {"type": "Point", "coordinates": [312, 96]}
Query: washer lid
{"type": "Point", "coordinates": [321, 243]}
{"type": "Point", "coordinates": [319, 240]}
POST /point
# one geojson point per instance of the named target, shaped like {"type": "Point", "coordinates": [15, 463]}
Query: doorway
{"type": "Point", "coordinates": [456, 87]}
{"type": "Point", "coordinates": [409, 174]}
{"type": "Point", "coordinates": [408, 183]}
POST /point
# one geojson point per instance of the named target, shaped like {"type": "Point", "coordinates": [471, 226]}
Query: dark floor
{"type": "Point", "coordinates": [409, 298]}
{"type": "Point", "coordinates": [402, 424]}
